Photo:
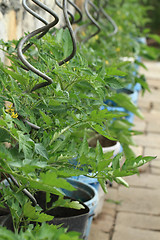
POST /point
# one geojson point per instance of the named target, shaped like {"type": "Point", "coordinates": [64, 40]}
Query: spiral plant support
{"type": "Point", "coordinates": [98, 10]}
{"type": "Point", "coordinates": [23, 46]}
{"type": "Point", "coordinates": [40, 32]}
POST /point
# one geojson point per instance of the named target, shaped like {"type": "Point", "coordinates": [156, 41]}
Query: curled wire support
{"type": "Point", "coordinates": [77, 10]}
{"type": "Point", "coordinates": [34, 14]}
{"type": "Point", "coordinates": [69, 13]}
{"type": "Point", "coordinates": [72, 21]}
{"type": "Point", "coordinates": [68, 25]}
{"type": "Point", "coordinates": [40, 32]}
{"type": "Point", "coordinates": [110, 20]}
{"type": "Point", "coordinates": [92, 19]}
{"type": "Point", "coordinates": [96, 9]}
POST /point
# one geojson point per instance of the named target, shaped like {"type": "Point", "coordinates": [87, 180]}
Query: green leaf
{"type": "Point", "coordinates": [26, 144]}
{"type": "Point", "coordinates": [155, 37]}
{"type": "Point", "coordinates": [103, 184]}
{"type": "Point", "coordinates": [122, 124]}
{"type": "Point", "coordinates": [41, 150]}
{"type": "Point", "coordinates": [46, 118]}
{"type": "Point", "coordinates": [76, 205]}
{"type": "Point", "coordinates": [128, 151]}
{"type": "Point", "coordinates": [68, 46]}
{"type": "Point", "coordinates": [18, 77]}
{"type": "Point", "coordinates": [120, 180]}
{"type": "Point", "coordinates": [4, 135]}
{"type": "Point", "coordinates": [99, 152]}
{"type": "Point", "coordinates": [33, 215]}
{"type": "Point", "coordinates": [116, 161]}
{"type": "Point", "coordinates": [68, 203]}
{"type": "Point", "coordinates": [133, 163]}
{"type": "Point", "coordinates": [6, 234]}
{"type": "Point", "coordinates": [125, 138]}
{"type": "Point", "coordinates": [114, 83]}
{"type": "Point", "coordinates": [50, 178]}
{"type": "Point", "coordinates": [3, 123]}
{"type": "Point", "coordinates": [84, 147]}
{"type": "Point", "coordinates": [38, 184]}
{"type": "Point", "coordinates": [112, 71]}
{"type": "Point", "coordinates": [102, 131]}
{"type": "Point", "coordinates": [123, 100]}
{"type": "Point", "coordinates": [103, 164]}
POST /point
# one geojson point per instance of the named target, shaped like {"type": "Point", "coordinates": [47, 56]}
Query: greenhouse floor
{"type": "Point", "coordinates": [134, 213]}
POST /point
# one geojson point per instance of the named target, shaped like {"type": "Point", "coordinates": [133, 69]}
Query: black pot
{"type": "Point", "coordinates": [6, 219]}
{"type": "Point", "coordinates": [72, 219]}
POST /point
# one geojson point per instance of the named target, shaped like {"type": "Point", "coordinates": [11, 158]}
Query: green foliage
{"type": "Point", "coordinates": [39, 233]}
{"type": "Point", "coordinates": [67, 114]}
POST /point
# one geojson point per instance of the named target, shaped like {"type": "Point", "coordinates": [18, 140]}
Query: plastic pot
{"type": "Point", "coordinates": [86, 194]}
{"type": "Point", "coordinates": [6, 218]}
{"type": "Point", "coordinates": [107, 144]}
{"type": "Point", "coordinates": [72, 219]}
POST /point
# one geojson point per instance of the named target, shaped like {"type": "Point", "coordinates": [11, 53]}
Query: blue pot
{"type": "Point", "coordinates": [113, 106]}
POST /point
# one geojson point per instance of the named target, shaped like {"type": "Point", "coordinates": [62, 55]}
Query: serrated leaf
{"type": "Point", "coordinates": [122, 124]}
{"type": "Point", "coordinates": [103, 184]}
{"type": "Point", "coordinates": [103, 164]}
{"type": "Point", "coordinates": [100, 130]}
{"type": "Point", "coordinates": [114, 83]}
{"type": "Point", "coordinates": [99, 152]}
{"type": "Point", "coordinates": [84, 147]}
{"type": "Point", "coordinates": [120, 180]}
{"type": "Point", "coordinates": [133, 163]}
{"type": "Point", "coordinates": [68, 46]}
{"type": "Point", "coordinates": [3, 123]}
{"type": "Point", "coordinates": [76, 205]}
{"type": "Point", "coordinates": [51, 179]}
{"type": "Point", "coordinates": [41, 150]}
{"type": "Point", "coordinates": [6, 234]}
{"type": "Point", "coordinates": [38, 184]}
{"type": "Point", "coordinates": [123, 100]}
{"type": "Point", "coordinates": [33, 215]}
{"type": "Point", "coordinates": [155, 37]}
{"type": "Point", "coordinates": [4, 135]}
{"type": "Point", "coordinates": [46, 118]}
{"type": "Point", "coordinates": [116, 161]}
{"type": "Point", "coordinates": [26, 144]}
{"type": "Point", "coordinates": [112, 71]}
{"type": "Point", "coordinates": [16, 76]}
{"type": "Point", "coordinates": [21, 125]}
{"type": "Point", "coordinates": [128, 151]}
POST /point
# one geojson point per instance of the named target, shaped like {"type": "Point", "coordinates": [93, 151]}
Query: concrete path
{"type": "Point", "coordinates": [134, 213]}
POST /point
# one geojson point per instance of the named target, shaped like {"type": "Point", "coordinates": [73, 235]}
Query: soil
{"type": "Point", "coordinates": [105, 142]}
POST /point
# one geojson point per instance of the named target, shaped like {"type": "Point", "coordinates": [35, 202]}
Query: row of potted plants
{"type": "Point", "coordinates": [50, 110]}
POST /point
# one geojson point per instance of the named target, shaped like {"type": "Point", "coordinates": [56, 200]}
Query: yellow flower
{"type": "Point", "coordinates": [107, 62]}
{"type": "Point", "coordinates": [7, 110]}
{"type": "Point", "coordinates": [96, 37]}
{"type": "Point", "coordinates": [120, 28]}
{"type": "Point", "coordinates": [74, 69]}
{"type": "Point", "coordinates": [118, 49]}
{"type": "Point", "coordinates": [14, 115]}
{"type": "Point", "coordinates": [83, 34]}
{"type": "Point", "coordinates": [10, 106]}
